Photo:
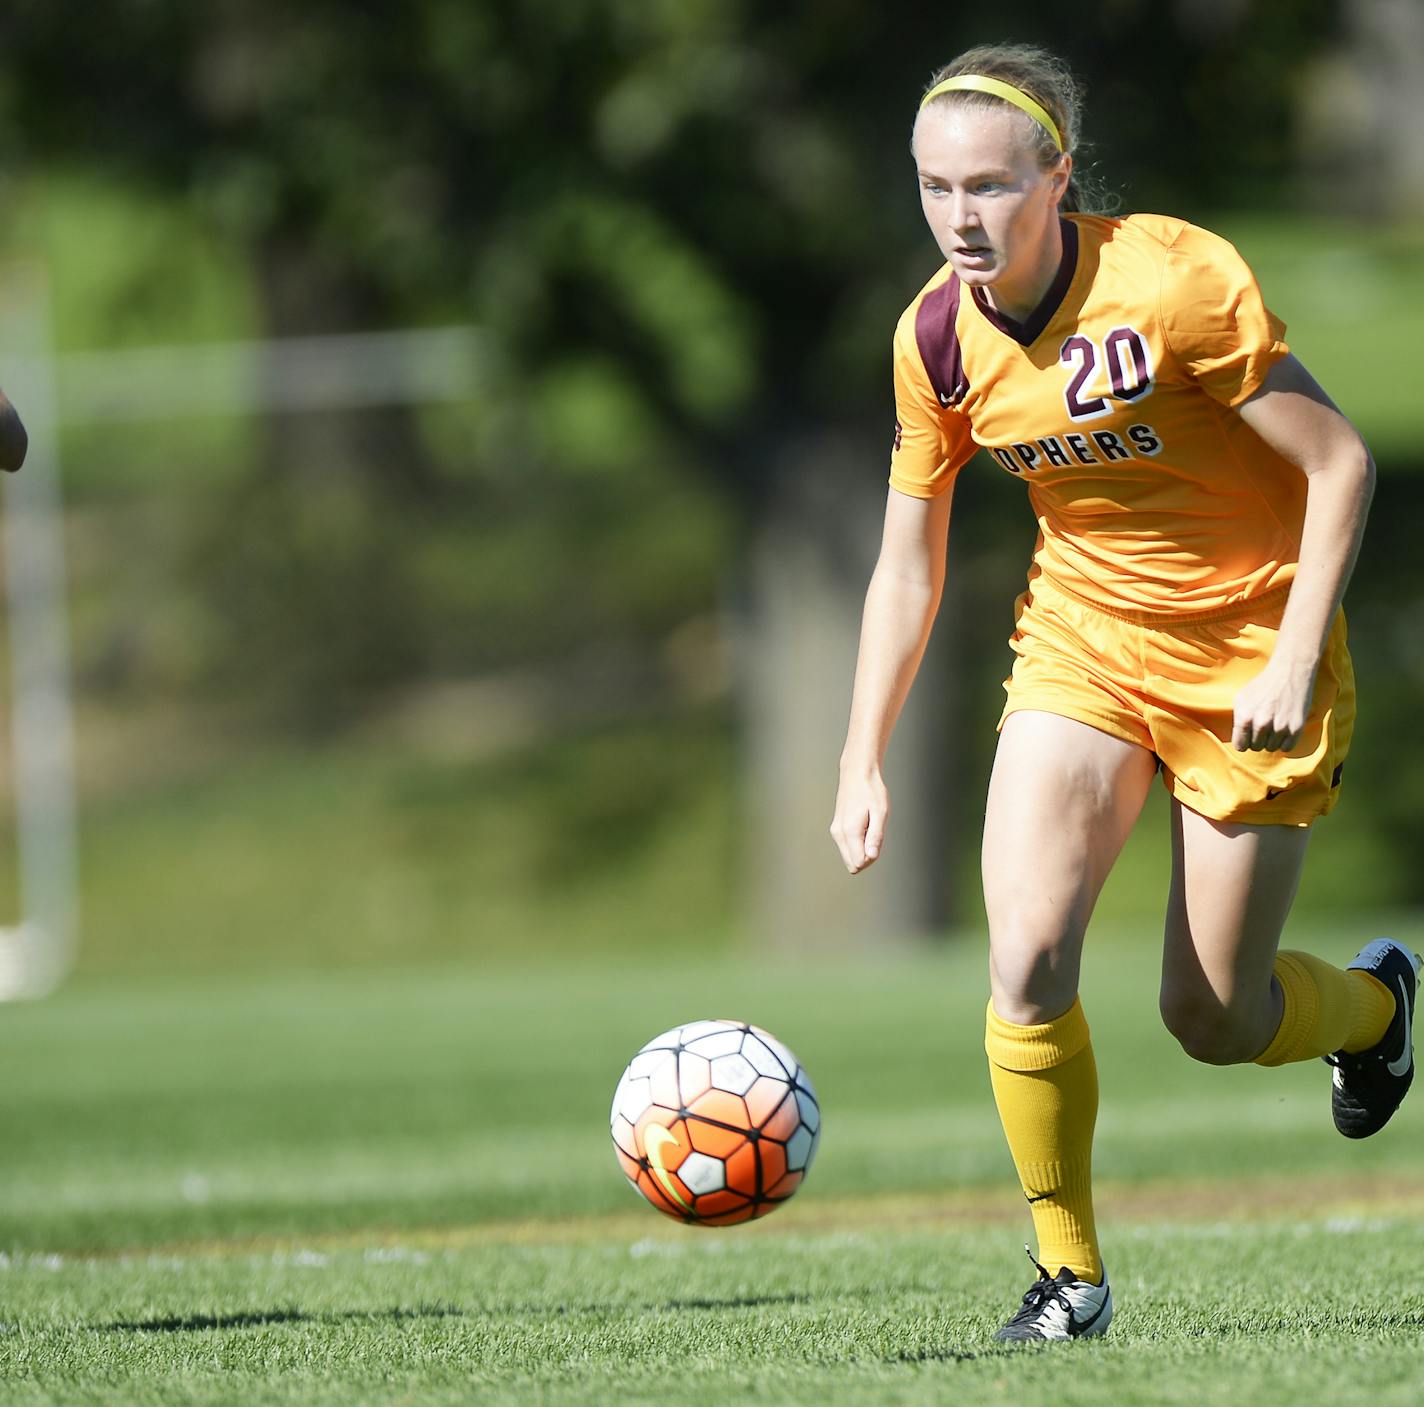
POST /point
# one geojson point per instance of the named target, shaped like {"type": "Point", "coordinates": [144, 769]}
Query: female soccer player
{"type": "Point", "coordinates": [1200, 503]}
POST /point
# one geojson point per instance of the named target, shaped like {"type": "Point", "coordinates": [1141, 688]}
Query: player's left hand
{"type": "Point", "coordinates": [1270, 711]}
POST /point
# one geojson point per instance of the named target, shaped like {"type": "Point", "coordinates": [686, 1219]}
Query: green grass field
{"type": "Point", "coordinates": [396, 1186]}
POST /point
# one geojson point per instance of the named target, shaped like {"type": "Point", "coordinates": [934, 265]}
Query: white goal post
{"type": "Point", "coordinates": [411, 366]}
{"type": "Point", "coordinates": [38, 950]}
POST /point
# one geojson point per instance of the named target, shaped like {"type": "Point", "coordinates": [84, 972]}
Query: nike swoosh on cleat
{"type": "Point", "coordinates": [1088, 1323]}
{"type": "Point", "coordinates": [1401, 1066]}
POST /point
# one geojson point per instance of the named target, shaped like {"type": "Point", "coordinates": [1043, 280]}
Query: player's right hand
{"type": "Point", "coordinates": [862, 808]}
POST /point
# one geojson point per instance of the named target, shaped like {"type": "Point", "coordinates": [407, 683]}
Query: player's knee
{"type": "Point", "coordinates": [1209, 1030]}
{"type": "Point", "coordinates": [1034, 981]}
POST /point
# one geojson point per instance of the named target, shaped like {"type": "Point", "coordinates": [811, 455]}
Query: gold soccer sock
{"type": "Point", "coordinates": [1326, 1009]}
{"type": "Point", "coordinates": [1046, 1086]}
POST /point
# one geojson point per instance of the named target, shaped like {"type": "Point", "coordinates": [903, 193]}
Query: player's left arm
{"type": "Point", "coordinates": [13, 439]}
{"type": "Point", "coordinates": [1298, 420]}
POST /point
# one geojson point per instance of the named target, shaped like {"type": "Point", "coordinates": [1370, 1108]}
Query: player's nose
{"type": "Point", "coordinates": [963, 217]}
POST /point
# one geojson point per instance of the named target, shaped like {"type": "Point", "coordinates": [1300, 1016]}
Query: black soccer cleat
{"type": "Point", "coordinates": [1369, 1085]}
{"type": "Point", "coordinates": [1059, 1307]}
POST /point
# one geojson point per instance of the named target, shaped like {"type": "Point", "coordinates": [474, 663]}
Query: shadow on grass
{"type": "Point", "coordinates": [201, 1323]}
{"type": "Point", "coordinates": [633, 1307]}
{"type": "Point", "coordinates": [738, 1302]}
{"type": "Point", "coordinates": [931, 1355]}
{"type": "Point", "coordinates": [257, 1319]}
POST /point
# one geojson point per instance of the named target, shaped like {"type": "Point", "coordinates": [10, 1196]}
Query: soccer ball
{"type": "Point", "coordinates": [715, 1122]}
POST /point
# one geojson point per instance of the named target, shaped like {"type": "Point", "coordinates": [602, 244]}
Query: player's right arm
{"type": "Point", "coordinates": [931, 445]}
{"type": "Point", "coordinates": [13, 439]}
{"type": "Point", "coordinates": [900, 608]}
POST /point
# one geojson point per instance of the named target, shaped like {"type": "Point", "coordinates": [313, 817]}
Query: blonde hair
{"type": "Point", "coordinates": [1046, 79]}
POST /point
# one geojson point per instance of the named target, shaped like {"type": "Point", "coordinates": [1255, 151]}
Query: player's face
{"type": "Point", "coordinates": [990, 205]}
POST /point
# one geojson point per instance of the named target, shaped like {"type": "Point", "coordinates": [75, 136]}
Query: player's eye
{"type": "Point", "coordinates": [989, 187]}
{"type": "Point", "coordinates": [932, 188]}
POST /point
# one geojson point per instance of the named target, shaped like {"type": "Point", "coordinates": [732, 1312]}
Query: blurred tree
{"type": "Point", "coordinates": [688, 226]}
{"type": "Point", "coordinates": [1363, 108]}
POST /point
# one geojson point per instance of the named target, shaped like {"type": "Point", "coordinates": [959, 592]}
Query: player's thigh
{"type": "Point", "coordinates": [1232, 889]}
{"type": "Point", "coordinates": [1062, 798]}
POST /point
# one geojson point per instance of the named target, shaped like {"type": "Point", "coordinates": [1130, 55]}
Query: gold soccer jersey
{"type": "Point", "coordinates": [1113, 404]}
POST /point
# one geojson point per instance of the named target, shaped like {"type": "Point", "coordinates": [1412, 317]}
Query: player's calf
{"type": "Point", "coordinates": [1214, 1032]}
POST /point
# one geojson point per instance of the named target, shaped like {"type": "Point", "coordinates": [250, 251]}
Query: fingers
{"type": "Point", "coordinates": [859, 837]}
{"type": "Point", "coordinates": [1264, 738]}
{"type": "Point", "coordinates": [1264, 735]}
{"type": "Point", "coordinates": [874, 836]}
{"type": "Point", "coordinates": [846, 842]}
{"type": "Point", "coordinates": [851, 841]}
{"type": "Point", "coordinates": [1269, 713]}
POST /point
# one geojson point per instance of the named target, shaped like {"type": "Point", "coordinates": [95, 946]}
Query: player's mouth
{"type": "Point", "coordinates": [976, 256]}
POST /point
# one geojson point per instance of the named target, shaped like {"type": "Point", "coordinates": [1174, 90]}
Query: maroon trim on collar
{"type": "Point", "coordinates": [938, 342]}
{"type": "Point", "coordinates": [1025, 332]}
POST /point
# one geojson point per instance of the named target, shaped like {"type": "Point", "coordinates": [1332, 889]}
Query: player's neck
{"type": "Point", "coordinates": [1016, 296]}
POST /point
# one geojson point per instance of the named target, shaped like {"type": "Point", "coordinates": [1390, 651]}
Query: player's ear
{"type": "Point", "coordinates": [1060, 175]}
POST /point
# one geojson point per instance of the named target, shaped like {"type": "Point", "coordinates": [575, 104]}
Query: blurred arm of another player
{"type": "Point", "coordinates": [900, 608]}
{"type": "Point", "coordinates": [1299, 421]}
{"type": "Point", "coordinates": [13, 439]}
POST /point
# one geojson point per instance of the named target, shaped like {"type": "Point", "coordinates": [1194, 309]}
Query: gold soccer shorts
{"type": "Point", "coordinates": [1169, 685]}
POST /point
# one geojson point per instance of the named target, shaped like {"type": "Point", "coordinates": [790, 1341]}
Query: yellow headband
{"type": "Point", "coordinates": [977, 83]}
